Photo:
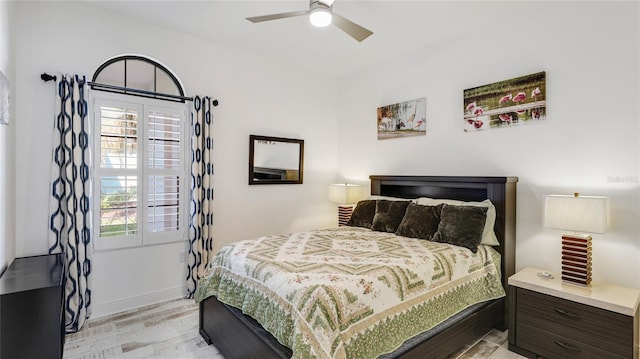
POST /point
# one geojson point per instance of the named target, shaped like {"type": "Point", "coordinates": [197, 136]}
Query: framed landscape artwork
{"type": "Point", "coordinates": [508, 103]}
{"type": "Point", "coordinates": [403, 119]}
{"type": "Point", "coordinates": [4, 99]}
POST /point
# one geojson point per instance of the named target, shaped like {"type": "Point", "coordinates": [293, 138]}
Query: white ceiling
{"type": "Point", "coordinates": [400, 27]}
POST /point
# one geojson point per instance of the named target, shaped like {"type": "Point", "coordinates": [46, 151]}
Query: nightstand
{"type": "Point", "coordinates": [552, 319]}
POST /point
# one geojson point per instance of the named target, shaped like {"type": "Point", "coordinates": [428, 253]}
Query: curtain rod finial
{"type": "Point", "coordinates": [46, 77]}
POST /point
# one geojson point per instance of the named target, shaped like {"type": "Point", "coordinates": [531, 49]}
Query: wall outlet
{"type": "Point", "coordinates": [182, 256]}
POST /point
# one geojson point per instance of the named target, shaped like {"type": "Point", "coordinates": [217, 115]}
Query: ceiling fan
{"type": "Point", "coordinates": [321, 15]}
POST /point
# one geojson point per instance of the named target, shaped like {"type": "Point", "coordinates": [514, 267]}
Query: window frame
{"type": "Point", "coordinates": [158, 68]}
{"type": "Point", "coordinates": [144, 106]}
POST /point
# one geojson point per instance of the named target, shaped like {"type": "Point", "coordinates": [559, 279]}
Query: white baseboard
{"type": "Point", "coordinates": [116, 306]}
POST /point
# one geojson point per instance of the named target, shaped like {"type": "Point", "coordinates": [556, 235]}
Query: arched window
{"type": "Point", "coordinates": [138, 76]}
{"type": "Point", "coordinates": [140, 154]}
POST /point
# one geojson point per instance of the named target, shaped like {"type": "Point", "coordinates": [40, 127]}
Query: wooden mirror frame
{"type": "Point", "coordinates": [252, 170]}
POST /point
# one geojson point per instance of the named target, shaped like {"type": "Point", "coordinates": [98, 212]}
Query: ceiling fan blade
{"type": "Point", "coordinates": [351, 28]}
{"type": "Point", "coordinates": [277, 16]}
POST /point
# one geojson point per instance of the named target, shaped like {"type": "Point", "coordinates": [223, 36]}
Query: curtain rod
{"type": "Point", "coordinates": [46, 78]}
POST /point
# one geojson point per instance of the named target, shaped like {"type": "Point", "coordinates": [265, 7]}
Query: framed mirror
{"type": "Point", "coordinates": [275, 160]}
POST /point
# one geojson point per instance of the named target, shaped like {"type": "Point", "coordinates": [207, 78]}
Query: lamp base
{"type": "Point", "coordinates": [344, 214]}
{"type": "Point", "coordinates": [576, 259]}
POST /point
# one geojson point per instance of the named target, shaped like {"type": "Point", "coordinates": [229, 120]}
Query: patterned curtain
{"type": "Point", "coordinates": [69, 201]}
{"type": "Point", "coordinates": [201, 226]}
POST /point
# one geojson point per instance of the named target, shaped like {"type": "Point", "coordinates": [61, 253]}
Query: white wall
{"type": "Point", "coordinates": [7, 219]}
{"type": "Point", "coordinates": [256, 97]}
{"type": "Point", "coordinates": [590, 52]}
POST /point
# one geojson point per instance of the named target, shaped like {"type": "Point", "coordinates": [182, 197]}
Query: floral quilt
{"type": "Point", "coordinates": [349, 292]}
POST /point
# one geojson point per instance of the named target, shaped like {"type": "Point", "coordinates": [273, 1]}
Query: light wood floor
{"type": "Point", "coordinates": [170, 330]}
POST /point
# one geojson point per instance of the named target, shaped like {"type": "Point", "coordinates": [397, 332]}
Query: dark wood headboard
{"type": "Point", "coordinates": [500, 190]}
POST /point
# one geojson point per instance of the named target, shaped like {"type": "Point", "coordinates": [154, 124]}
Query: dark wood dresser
{"type": "Point", "coordinates": [551, 319]}
{"type": "Point", "coordinates": [31, 302]}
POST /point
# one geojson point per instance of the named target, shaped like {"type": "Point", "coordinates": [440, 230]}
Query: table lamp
{"type": "Point", "coordinates": [346, 195]}
{"type": "Point", "coordinates": [584, 215]}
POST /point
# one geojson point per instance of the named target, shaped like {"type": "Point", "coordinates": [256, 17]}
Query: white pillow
{"type": "Point", "coordinates": [488, 235]}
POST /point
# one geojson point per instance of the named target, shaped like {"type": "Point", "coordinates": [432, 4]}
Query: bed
{"type": "Point", "coordinates": [237, 335]}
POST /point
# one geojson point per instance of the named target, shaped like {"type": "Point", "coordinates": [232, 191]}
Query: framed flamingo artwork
{"type": "Point", "coordinates": [403, 119]}
{"type": "Point", "coordinates": [508, 103]}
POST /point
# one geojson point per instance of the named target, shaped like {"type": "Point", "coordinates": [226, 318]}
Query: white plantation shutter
{"type": "Point", "coordinates": [165, 173]}
{"type": "Point", "coordinates": [117, 211]}
{"type": "Point", "coordinates": [141, 174]}
{"type": "Point", "coordinates": [118, 215]}
{"type": "Point", "coordinates": [165, 148]}
{"type": "Point", "coordinates": [118, 137]}
{"type": "Point", "coordinates": [164, 203]}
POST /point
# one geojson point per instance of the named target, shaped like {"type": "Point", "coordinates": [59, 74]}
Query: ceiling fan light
{"type": "Point", "coordinates": [320, 17]}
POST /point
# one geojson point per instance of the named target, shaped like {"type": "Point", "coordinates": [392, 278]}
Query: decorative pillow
{"type": "Point", "coordinates": [362, 215]}
{"type": "Point", "coordinates": [488, 235]}
{"type": "Point", "coordinates": [420, 221]}
{"type": "Point", "coordinates": [461, 226]}
{"type": "Point", "coordinates": [388, 215]}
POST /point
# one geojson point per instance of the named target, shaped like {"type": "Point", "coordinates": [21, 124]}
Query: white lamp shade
{"type": "Point", "coordinates": [345, 193]}
{"type": "Point", "coordinates": [585, 214]}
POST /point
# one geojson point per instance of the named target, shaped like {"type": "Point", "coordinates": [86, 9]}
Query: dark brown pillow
{"type": "Point", "coordinates": [420, 221]}
{"type": "Point", "coordinates": [388, 215]}
{"type": "Point", "coordinates": [461, 226]}
{"type": "Point", "coordinates": [362, 215]}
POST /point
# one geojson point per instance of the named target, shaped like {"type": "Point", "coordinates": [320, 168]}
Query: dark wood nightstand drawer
{"type": "Point", "coordinates": [551, 340]}
{"type": "Point", "coordinates": [568, 316]}
{"type": "Point", "coordinates": [553, 320]}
